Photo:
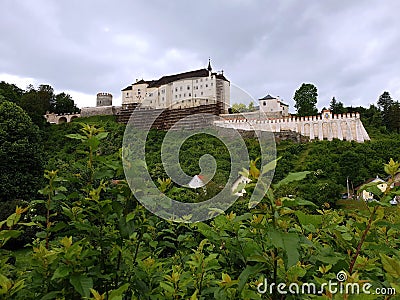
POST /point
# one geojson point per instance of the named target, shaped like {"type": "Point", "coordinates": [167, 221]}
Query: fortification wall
{"type": "Point", "coordinates": [59, 119]}
{"type": "Point", "coordinates": [327, 126]}
{"type": "Point", "coordinates": [166, 118]}
{"type": "Point", "coordinates": [100, 110]}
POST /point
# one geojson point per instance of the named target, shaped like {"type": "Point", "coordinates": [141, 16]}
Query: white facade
{"type": "Point", "coordinates": [190, 89]}
{"type": "Point", "coordinates": [326, 126]}
{"type": "Point", "coordinates": [273, 106]}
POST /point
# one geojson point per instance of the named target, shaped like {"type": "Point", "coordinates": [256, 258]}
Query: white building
{"type": "Point", "coordinates": [188, 89]}
{"type": "Point", "coordinates": [273, 106]}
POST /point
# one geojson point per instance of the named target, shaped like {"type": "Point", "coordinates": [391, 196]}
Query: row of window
{"type": "Point", "coordinates": [195, 87]}
{"type": "Point", "coordinates": [189, 95]}
{"type": "Point", "coordinates": [176, 89]}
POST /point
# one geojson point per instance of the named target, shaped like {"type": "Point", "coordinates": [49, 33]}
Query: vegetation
{"type": "Point", "coordinates": [306, 100]}
{"type": "Point", "coordinates": [37, 102]}
{"type": "Point", "coordinates": [84, 235]}
{"type": "Point", "coordinates": [21, 154]}
{"type": "Point", "coordinates": [93, 239]}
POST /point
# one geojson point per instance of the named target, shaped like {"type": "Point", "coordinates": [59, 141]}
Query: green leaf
{"type": "Point", "coordinates": [51, 296]}
{"type": "Point", "coordinates": [9, 234]}
{"type": "Point", "coordinates": [76, 136]}
{"type": "Point", "coordinates": [246, 273]}
{"type": "Point", "coordinates": [61, 272]}
{"type": "Point", "coordinates": [130, 216]}
{"type": "Point", "coordinates": [306, 219]}
{"type": "Point", "coordinates": [391, 265]}
{"type": "Point", "coordinates": [167, 287]}
{"type": "Point", "coordinates": [269, 166]}
{"type": "Point", "coordinates": [101, 135]}
{"type": "Point", "coordinates": [292, 177]}
{"type": "Point", "coordinates": [118, 293]}
{"type": "Point", "coordinates": [82, 284]}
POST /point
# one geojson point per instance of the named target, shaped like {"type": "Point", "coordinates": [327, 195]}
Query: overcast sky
{"type": "Point", "coordinates": [348, 49]}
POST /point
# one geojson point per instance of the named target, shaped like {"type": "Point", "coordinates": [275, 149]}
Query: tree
{"type": "Point", "coordinates": [390, 111]}
{"type": "Point", "coordinates": [10, 92]}
{"type": "Point", "coordinates": [393, 117]}
{"type": "Point", "coordinates": [37, 103]}
{"type": "Point", "coordinates": [336, 107]}
{"type": "Point", "coordinates": [63, 104]}
{"type": "Point", "coordinates": [385, 101]}
{"type": "Point", "coordinates": [21, 167]}
{"type": "Point", "coordinates": [238, 108]}
{"type": "Point", "coordinates": [306, 100]}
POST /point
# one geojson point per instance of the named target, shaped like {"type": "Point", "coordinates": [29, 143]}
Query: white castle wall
{"type": "Point", "coordinates": [328, 126]}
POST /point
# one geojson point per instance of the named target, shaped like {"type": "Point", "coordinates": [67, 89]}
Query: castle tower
{"type": "Point", "coordinates": [104, 99]}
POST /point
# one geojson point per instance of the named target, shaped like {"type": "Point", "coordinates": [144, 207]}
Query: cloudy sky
{"type": "Point", "coordinates": [348, 49]}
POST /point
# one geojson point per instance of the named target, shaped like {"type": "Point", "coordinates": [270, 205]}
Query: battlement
{"type": "Point", "coordinates": [328, 126]}
{"type": "Point", "coordinates": [104, 94]}
{"type": "Point", "coordinates": [104, 99]}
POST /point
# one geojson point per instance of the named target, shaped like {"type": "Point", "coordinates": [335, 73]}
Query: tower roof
{"type": "Point", "coordinates": [209, 65]}
{"type": "Point", "coordinates": [268, 97]}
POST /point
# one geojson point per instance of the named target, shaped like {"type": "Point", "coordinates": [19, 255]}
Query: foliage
{"type": "Point", "coordinates": [306, 100]}
{"type": "Point", "coordinates": [37, 102]}
{"type": "Point", "coordinates": [241, 107]}
{"type": "Point", "coordinates": [336, 107]}
{"type": "Point", "coordinates": [63, 103]}
{"type": "Point", "coordinates": [20, 154]}
{"type": "Point", "coordinates": [96, 241]}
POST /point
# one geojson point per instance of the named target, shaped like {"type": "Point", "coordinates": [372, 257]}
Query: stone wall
{"type": "Point", "coordinates": [327, 126]}
{"type": "Point", "coordinates": [100, 110]}
{"type": "Point", "coordinates": [59, 119]}
{"type": "Point", "coordinates": [164, 119]}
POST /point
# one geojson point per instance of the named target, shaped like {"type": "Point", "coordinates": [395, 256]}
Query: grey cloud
{"type": "Point", "coordinates": [347, 48]}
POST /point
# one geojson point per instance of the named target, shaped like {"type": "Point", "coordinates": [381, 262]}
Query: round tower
{"type": "Point", "coordinates": [104, 99]}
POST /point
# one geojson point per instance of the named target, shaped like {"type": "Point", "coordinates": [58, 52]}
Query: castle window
{"type": "Point", "coordinates": [206, 85]}
{"type": "Point", "coordinates": [195, 95]}
{"type": "Point", "coordinates": [162, 98]}
{"type": "Point", "coordinates": [176, 96]}
{"type": "Point", "coordinates": [180, 88]}
{"type": "Point", "coordinates": [176, 89]}
{"type": "Point", "coordinates": [190, 95]}
{"type": "Point", "coordinates": [201, 93]}
{"type": "Point", "coordinates": [180, 95]}
{"type": "Point", "coordinates": [206, 78]}
{"type": "Point", "coordinates": [201, 79]}
{"type": "Point", "coordinates": [265, 103]}
{"type": "Point", "coordinates": [212, 84]}
{"type": "Point", "coordinates": [188, 87]}
{"type": "Point", "coordinates": [184, 95]}
{"type": "Point", "coordinates": [197, 81]}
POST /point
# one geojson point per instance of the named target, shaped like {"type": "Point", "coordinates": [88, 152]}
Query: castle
{"type": "Point", "coordinates": [179, 91]}
{"type": "Point", "coordinates": [202, 91]}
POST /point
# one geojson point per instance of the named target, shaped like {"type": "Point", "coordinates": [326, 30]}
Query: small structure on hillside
{"type": "Point", "coordinates": [103, 107]}
{"type": "Point", "coordinates": [53, 118]}
{"type": "Point", "coordinates": [273, 107]}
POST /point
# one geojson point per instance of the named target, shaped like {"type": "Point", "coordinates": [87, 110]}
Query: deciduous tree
{"type": "Point", "coordinates": [306, 100]}
{"type": "Point", "coordinates": [21, 154]}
